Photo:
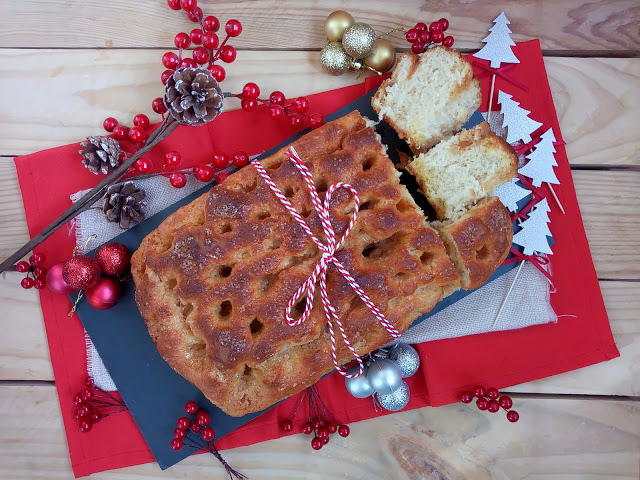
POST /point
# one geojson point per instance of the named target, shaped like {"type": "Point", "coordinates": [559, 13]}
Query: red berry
{"type": "Point", "coordinates": [218, 72]}
{"type": "Point", "coordinates": [316, 423]}
{"type": "Point", "coordinates": [174, 4]}
{"type": "Point", "coordinates": [493, 406]}
{"type": "Point", "coordinates": [204, 173]}
{"type": "Point", "coordinates": [196, 36]}
{"type": "Point", "coordinates": [233, 28]}
{"type": "Point", "coordinates": [343, 430]}
{"type": "Point", "coordinates": [221, 176]}
{"type": "Point", "coordinates": [86, 394]}
{"type": "Point", "coordinates": [286, 426]}
{"type": "Point", "coordinates": [85, 425]}
{"type": "Point", "coordinates": [211, 24]}
{"type": "Point", "coordinates": [296, 121]}
{"type": "Point", "coordinates": [188, 5]}
{"type": "Point", "coordinates": [195, 15]}
{"type": "Point", "coordinates": [437, 37]}
{"type": "Point", "coordinates": [177, 180]}
{"type": "Point", "coordinates": [322, 432]}
{"type": "Point", "coordinates": [307, 428]}
{"type": "Point", "coordinates": [136, 134]}
{"type": "Point", "coordinates": [316, 120]}
{"type": "Point", "coordinates": [210, 41]}
{"type": "Point", "coordinates": [240, 159]}
{"type": "Point", "coordinates": [109, 124]}
{"type": "Point", "coordinates": [158, 106]}
{"type": "Point", "coordinates": [412, 35]}
{"type": "Point", "coordinates": [95, 416]}
{"type": "Point", "coordinates": [448, 41]}
{"type": "Point", "coordinates": [220, 160]}
{"type": "Point", "coordinates": [435, 27]}
{"type": "Point", "coordinates": [227, 54]}
{"type": "Point", "coordinates": [208, 433]}
{"type": "Point", "coordinates": [301, 104]}
{"type": "Point", "coordinates": [333, 428]}
{"type": "Point", "coordinates": [120, 132]}
{"type": "Point", "coordinates": [141, 120]}
{"type": "Point", "coordinates": [172, 159]}
{"type": "Point", "coordinates": [276, 112]}
{"type": "Point", "coordinates": [195, 428]}
{"type": "Point", "coordinates": [248, 104]}
{"type": "Point", "coordinates": [478, 391]}
{"type": "Point", "coordinates": [188, 62]}
{"type": "Point", "coordinates": [182, 40]}
{"type": "Point", "coordinates": [203, 418]}
{"type": "Point", "coordinates": [277, 97]}
{"type": "Point", "coordinates": [420, 26]}
{"type": "Point", "coordinates": [189, 407]}
{"type": "Point", "coordinates": [417, 47]}
{"type": "Point", "coordinates": [177, 444]}
{"type": "Point", "coordinates": [492, 393]}
{"type": "Point", "coordinates": [325, 440]}
{"type": "Point", "coordinates": [77, 401]}
{"type": "Point", "coordinates": [170, 60]}
{"type": "Point", "coordinates": [513, 416]}
{"type": "Point", "coordinates": [27, 283]}
{"type": "Point", "coordinates": [22, 267]}
{"type": "Point", "coordinates": [444, 24]}
{"type": "Point", "coordinates": [201, 55]}
{"type": "Point", "coordinates": [166, 75]}
{"type": "Point", "coordinates": [505, 402]}
{"type": "Point", "coordinates": [482, 403]}
{"type": "Point", "coordinates": [40, 283]}
{"type": "Point", "coordinates": [37, 259]}
{"type": "Point", "coordinates": [424, 36]}
{"type": "Point", "coordinates": [251, 91]}
{"type": "Point", "coordinates": [178, 433]}
{"type": "Point", "coordinates": [142, 165]}
{"type": "Point", "coordinates": [316, 443]}
{"type": "Point", "coordinates": [466, 397]}
{"type": "Point", "coordinates": [183, 423]}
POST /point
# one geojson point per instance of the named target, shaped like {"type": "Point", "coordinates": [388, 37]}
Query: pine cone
{"type": "Point", "coordinates": [193, 96]}
{"type": "Point", "coordinates": [122, 203]}
{"type": "Point", "coordinates": [100, 154]}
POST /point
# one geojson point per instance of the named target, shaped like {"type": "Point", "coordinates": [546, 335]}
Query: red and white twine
{"type": "Point", "coordinates": [319, 273]}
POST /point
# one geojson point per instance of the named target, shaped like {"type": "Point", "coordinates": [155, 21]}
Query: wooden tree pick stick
{"type": "Point", "coordinates": [553, 192]}
{"type": "Point", "coordinates": [90, 197]}
{"type": "Point", "coordinates": [504, 301]}
{"type": "Point", "coordinates": [493, 84]}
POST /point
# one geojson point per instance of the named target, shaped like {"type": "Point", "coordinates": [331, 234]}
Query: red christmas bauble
{"type": "Point", "coordinates": [104, 294]}
{"type": "Point", "coordinates": [80, 272]}
{"type": "Point", "coordinates": [56, 283]}
{"type": "Point", "coordinates": [114, 258]}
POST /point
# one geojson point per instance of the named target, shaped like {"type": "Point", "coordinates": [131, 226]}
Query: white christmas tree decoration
{"type": "Point", "coordinates": [539, 168]}
{"type": "Point", "coordinates": [511, 193]}
{"type": "Point", "coordinates": [516, 119]}
{"type": "Point", "coordinates": [533, 236]}
{"type": "Point", "coordinates": [498, 44]}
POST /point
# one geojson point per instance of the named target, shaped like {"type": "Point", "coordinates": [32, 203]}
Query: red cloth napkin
{"type": "Point", "coordinates": [450, 366]}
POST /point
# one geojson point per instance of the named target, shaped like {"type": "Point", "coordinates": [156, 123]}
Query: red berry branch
{"type": "Point", "coordinates": [420, 37]}
{"type": "Point", "coordinates": [92, 404]}
{"type": "Point", "coordinates": [36, 273]}
{"type": "Point", "coordinates": [491, 401]}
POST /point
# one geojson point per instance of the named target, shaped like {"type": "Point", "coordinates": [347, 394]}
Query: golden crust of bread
{"type": "Point", "coordinates": [479, 241]}
{"type": "Point", "coordinates": [213, 280]}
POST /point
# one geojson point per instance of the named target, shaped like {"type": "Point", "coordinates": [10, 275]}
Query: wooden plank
{"type": "Point", "coordinates": [567, 25]}
{"type": "Point", "coordinates": [84, 87]}
{"type": "Point", "coordinates": [574, 439]}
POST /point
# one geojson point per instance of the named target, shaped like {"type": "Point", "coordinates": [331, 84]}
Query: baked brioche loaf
{"type": "Point", "coordinates": [458, 172]}
{"type": "Point", "coordinates": [429, 97]}
{"type": "Point", "coordinates": [478, 241]}
{"type": "Point", "coordinates": [213, 280]}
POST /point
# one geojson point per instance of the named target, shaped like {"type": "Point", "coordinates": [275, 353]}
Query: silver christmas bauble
{"type": "Point", "coordinates": [384, 376]}
{"type": "Point", "coordinates": [406, 357]}
{"type": "Point", "coordinates": [358, 40]}
{"type": "Point", "coordinates": [334, 60]}
{"type": "Point", "coordinates": [397, 400]}
{"type": "Point", "coordinates": [358, 386]}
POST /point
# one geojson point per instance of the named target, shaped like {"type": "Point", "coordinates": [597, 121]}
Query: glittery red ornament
{"type": "Point", "coordinates": [114, 258]}
{"type": "Point", "coordinates": [104, 294]}
{"type": "Point", "coordinates": [56, 283]}
{"type": "Point", "coordinates": [80, 272]}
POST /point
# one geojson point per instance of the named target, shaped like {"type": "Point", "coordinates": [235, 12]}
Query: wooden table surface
{"type": "Point", "coordinates": [70, 64]}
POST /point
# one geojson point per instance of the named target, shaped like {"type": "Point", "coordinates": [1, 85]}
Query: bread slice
{"type": "Point", "coordinates": [457, 173]}
{"type": "Point", "coordinates": [429, 97]}
{"type": "Point", "coordinates": [479, 241]}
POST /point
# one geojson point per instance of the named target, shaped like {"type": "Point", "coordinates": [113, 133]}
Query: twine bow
{"type": "Point", "coordinates": [538, 260]}
{"type": "Point", "coordinates": [319, 273]}
{"type": "Point", "coordinates": [501, 73]}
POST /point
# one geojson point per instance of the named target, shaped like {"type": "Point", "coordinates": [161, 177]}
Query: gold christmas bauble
{"type": "Point", "coordinates": [336, 23]}
{"type": "Point", "coordinates": [358, 40]}
{"type": "Point", "coordinates": [334, 60]}
{"type": "Point", "coordinates": [382, 57]}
